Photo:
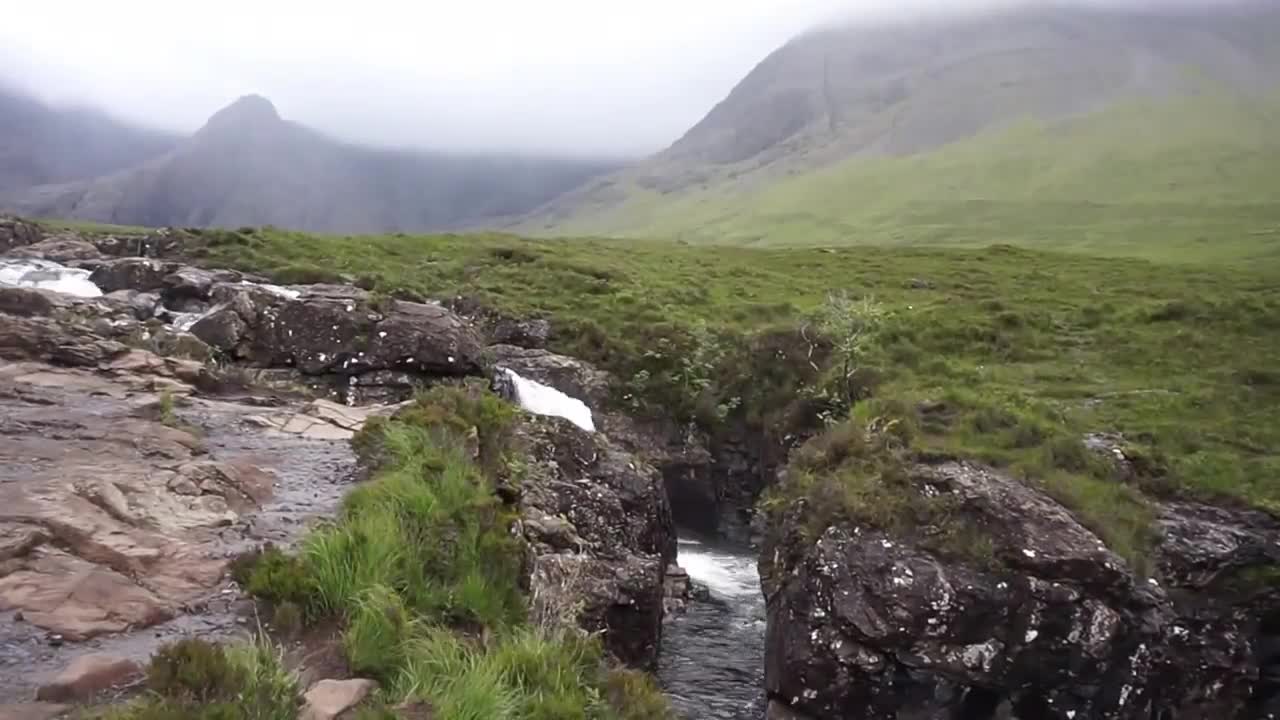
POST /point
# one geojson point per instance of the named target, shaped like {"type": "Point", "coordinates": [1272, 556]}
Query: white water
{"type": "Point", "coordinates": [283, 292]}
{"type": "Point", "coordinates": [46, 275]}
{"type": "Point", "coordinates": [726, 575]}
{"type": "Point", "coordinates": [540, 399]}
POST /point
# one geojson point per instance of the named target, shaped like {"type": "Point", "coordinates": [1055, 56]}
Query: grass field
{"type": "Point", "coordinates": [1028, 350]}
{"type": "Point", "coordinates": [1190, 179]}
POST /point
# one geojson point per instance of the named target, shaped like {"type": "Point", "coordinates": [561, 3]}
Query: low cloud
{"type": "Point", "coordinates": [566, 76]}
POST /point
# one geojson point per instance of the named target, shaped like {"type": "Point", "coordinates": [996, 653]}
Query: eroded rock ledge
{"type": "Point", "coordinates": [863, 624]}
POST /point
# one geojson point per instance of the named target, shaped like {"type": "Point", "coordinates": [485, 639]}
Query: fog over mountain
{"type": "Point", "coordinates": [577, 77]}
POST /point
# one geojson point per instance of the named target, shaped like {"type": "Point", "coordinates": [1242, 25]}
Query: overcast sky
{"type": "Point", "coordinates": [578, 76]}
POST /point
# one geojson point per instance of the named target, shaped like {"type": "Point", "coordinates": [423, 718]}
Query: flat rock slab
{"type": "Point", "coordinates": [328, 699]}
{"type": "Point", "coordinates": [117, 528]}
{"type": "Point", "coordinates": [322, 419]}
{"type": "Point", "coordinates": [88, 675]}
{"type": "Point", "coordinates": [32, 711]}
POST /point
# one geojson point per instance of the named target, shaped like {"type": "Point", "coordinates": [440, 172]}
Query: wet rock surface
{"type": "Point", "coordinates": [862, 624]}
{"type": "Point", "coordinates": [600, 535]}
{"type": "Point", "coordinates": [116, 528]}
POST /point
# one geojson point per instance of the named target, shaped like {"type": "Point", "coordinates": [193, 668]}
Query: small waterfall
{"type": "Point", "coordinates": [46, 275]}
{"type": "Point", "coordinates": [712, 661]}
{"type": "Point", "coordinates": [540, 399]}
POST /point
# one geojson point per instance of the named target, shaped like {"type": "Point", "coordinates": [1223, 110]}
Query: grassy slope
{"type": "Point", "coordinates": [1179, 358]}
{"type": "Point", "coordinates": [1190, 178]}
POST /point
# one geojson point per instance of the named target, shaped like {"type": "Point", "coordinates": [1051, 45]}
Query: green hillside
{"type": "Point", "coordinates": [1025, 350]}
{"type": "Point", "coordinates": [1192, 178]}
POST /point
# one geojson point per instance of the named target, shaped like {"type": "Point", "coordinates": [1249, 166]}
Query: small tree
{"type": "Point", "coordinates": [853, 327]}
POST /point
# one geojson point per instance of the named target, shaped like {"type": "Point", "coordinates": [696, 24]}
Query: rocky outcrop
{"type": "Point", "coordinates": [600, 535]}
{"type": "Point", "coordinates": [864, 624]}
{"type": "Point", "coordinates": [15, 233]}
{"type": "Point", "coordinates": [333, 337]}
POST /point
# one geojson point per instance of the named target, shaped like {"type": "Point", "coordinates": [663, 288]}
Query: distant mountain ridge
{"type": "Point", "coordinates": [41, 145]}
{"type": "Point", "coordinates": [248, 166]}
{"type": "Point", "coordinates": [852, 134]}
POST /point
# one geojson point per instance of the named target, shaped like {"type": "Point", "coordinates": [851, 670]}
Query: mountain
{"type": "Point", "coordinates": [1056, 125]}
{"type": "Point", "coordinates": [40, 144]}
{"type": "Point", "coordinates": [248, 166]}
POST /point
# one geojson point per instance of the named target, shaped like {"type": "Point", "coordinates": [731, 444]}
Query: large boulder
{"type": "Point", "coordinates": [16, 233]}
{"type": "Point", "coordinates": [222, 329]}
{"type": "Point", "coordinates": [868, 624]}
{"type": "Point", "coordinates": [347, 337]}
{"type": "Point", "coordinates": [133, 273]}
{"type": "Point", "coordinates": [601, 537]}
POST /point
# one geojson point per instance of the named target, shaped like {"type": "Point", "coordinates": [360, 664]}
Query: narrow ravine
{"type": "Point", "coordinates": [712, 662]}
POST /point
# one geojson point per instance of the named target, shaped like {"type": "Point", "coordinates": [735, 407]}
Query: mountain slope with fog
{"type": "Point", "coordinates": [248, 166]}
{"type": "Point", "coordinates": [1099, 129]}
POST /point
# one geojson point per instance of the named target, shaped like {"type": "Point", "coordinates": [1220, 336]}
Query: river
{"type": "Point", "coordinates": [712, 662]}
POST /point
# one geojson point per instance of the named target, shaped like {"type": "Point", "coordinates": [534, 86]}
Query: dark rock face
{"type": "Point", "coordinates": [866, 625]}
{"type": "Point", "coordinates": [601, 537]}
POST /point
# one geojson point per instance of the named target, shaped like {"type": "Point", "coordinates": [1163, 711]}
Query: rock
{"type": "Point", "coordinates": [323, 335]}
{"type": "Point", "coordinates": [15, 233]}
{"type": "Point", "coordinates": [32, 711]}
{"type": "Point", "coordinates": [867, 624]}
{"type": "Point", "coordinates": [678, 589]}
{"type": "Point", "coordinates": [189, 283]}
{"type": "Point", "coordinates": [94, 539]}
{"type": "Point", "coordinates": [601, 537]}
{"type": "Point", "coordinates": [60, 249]}
{"type": "Point", "coordinates": [29, 302]}
{"type": "Point", "coordinates": [140, 274]}
{"type": "Point", "coordinates": [328, 699]}
{"type": "Point", "coordinates": [532, 334]}
{"type": "Point", "coordinates": [568, 375]}
{"type": "Point", "coordinates": [88, 675]}
{"type": "Point", "coordinates": [222, 329]}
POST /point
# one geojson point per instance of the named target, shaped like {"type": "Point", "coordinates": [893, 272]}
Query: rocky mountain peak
{"type": "Point", "coordinates": [247, 114]}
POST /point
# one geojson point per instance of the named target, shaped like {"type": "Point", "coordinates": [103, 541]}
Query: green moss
{"type": "Point", "coordinates": [635, 696]}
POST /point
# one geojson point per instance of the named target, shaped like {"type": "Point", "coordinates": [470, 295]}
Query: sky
{"type": "Point", "coordinates": [580, 77]}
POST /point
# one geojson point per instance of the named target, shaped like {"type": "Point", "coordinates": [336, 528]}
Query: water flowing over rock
{"type": "Point", "coordinates": [541, 399]}
{"type": "Point", "coordinates": [863, 624]}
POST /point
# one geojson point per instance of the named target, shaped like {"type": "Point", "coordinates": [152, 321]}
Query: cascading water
{"type": "Point", "coordinates": [46, 275]}
{"type": "Point", "coordinates": [712, 662]}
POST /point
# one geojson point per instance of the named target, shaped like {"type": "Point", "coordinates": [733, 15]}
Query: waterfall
{"type": "Point", "coordinates": [540, 399]}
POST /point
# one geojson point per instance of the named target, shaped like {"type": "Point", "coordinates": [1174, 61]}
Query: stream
{"type": "Point", "coordinates": [712, 661]}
